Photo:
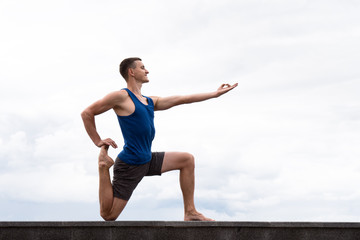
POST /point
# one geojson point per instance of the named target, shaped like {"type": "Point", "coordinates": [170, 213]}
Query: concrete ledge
{"type": "Point", "coordinates": [179, 230]}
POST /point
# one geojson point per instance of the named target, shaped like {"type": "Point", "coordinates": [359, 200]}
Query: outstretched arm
{"type": "Point", "coordinates": [163, 103]}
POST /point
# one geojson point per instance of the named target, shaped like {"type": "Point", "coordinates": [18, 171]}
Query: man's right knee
{"type": "Point", "coordinates": [108, 217]}
{"type": "Point", "coordinates": [116, 209]}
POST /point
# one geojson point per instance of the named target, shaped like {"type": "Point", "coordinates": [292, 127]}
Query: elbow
{"type": "Point", "coordinates": [85, 114]}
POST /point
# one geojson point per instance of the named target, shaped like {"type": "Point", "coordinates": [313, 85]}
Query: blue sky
{"type": "Point", "coordinates": [283, 146]}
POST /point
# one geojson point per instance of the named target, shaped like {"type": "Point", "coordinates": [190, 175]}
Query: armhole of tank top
{"type": "Point", "coordinates": [128, 92]}
{"type": "Point", "coordinates": [131, 95]}
{"type": "Point", "coordinates": [148, 100]}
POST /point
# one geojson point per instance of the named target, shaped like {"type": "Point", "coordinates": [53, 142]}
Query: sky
{"type": "Point", "coordinates": [282, 146]}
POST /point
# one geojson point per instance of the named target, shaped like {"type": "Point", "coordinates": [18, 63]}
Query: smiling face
{"type": "Point", "coordinates": [139, 72]}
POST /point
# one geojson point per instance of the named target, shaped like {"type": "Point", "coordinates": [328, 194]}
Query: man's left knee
{"type": "Point", "coordinates": [190, 160]}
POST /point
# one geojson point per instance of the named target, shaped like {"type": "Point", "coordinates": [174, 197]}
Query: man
{"type": "Point", "coordinates": [135, 114]}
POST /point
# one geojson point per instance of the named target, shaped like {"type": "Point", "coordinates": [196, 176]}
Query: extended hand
{"type": "Point", "coordinates": [107, 142]}
{"type": "Point", "coordinates": [224, 88]}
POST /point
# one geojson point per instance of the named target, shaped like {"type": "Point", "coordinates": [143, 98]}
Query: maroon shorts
{"type": "Point", "coordinates": [127, 177]}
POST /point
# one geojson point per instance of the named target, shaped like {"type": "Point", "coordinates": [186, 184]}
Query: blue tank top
{"type": "Point", "coordinates": [138, 131]}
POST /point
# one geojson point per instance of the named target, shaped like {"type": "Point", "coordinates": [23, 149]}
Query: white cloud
{"type": "Point", "coordinates": [282, 146]}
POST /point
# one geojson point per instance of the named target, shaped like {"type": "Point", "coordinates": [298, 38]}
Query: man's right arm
{"type": "Point", "coordinates": [88, 116]}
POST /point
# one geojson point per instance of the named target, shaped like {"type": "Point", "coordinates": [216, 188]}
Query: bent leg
{"type": "Point", "coordinates": [186, 164]}
{"type": "Point", "coordinates": [110, 206]}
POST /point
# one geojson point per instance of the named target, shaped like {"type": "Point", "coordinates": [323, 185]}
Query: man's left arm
{"type": "Point", "coordinates": [163, 103]}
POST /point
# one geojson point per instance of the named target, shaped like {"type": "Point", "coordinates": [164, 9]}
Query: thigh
{"type": "Point", "coordinates": [175, 161]}
{"type": "Point", "coordinates": [155, 165]}
{"type": "Point", "coordinates": [126, 178]}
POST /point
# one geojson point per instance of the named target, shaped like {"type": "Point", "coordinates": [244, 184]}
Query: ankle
{"type": "Point", "coordinates": [103, 166]}
{"type": "Point", "coordinates": [191, 211]}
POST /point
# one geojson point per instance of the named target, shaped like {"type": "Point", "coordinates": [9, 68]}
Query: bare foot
{"type": "Point", "coordinates": [196, 216]}
{"type": "Point", "coordinates": [104, 160]}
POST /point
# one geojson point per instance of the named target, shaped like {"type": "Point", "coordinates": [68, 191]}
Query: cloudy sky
{"type": "Point", "coordinates": [282, 146]}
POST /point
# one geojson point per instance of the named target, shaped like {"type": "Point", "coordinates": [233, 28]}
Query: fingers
{"type": "Point", "coordinates": [232, 86]}
{"type": "Point", "coordinates": [111, 142]}
{"type": "Point", "coordinates": [224, 88]}
{"type": "Point", "coordinates": [226, 85]}
{"type": "Point", "coordinates": [108, 142]}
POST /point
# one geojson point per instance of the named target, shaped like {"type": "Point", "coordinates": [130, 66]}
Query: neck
{"type": "Point", "coordinates": [134, 87]}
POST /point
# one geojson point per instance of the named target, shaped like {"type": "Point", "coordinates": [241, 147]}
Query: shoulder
{"type": "Point", "coordinates": [113, 99]}
{"type": "Point", "coordinates": [154, 99]}
{"type": "Point", "coordinates": [117, 95]}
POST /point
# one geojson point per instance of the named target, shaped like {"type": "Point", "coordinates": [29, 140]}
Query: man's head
{"type": "Point", "coordinates": [126, 64]}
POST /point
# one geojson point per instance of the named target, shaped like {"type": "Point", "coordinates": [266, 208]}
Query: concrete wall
{"type": "Point", "coordinates": [179, 230]}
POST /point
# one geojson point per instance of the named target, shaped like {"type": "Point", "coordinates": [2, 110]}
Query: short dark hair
{"type": "Point", "coordinates": [126, 64]}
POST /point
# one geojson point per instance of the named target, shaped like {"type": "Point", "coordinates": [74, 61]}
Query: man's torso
{"type": "Point", "coordinates": [137, 126]}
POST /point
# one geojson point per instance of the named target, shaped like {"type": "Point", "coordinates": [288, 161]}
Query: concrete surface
{"type": "Point", "coordinates": [179, 230]}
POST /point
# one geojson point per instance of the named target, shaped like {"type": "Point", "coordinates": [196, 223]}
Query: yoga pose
{"type": "Point", "coordinates": [135, 114]}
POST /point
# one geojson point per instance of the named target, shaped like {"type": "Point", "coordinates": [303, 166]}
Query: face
{"type": "Point", "coordinates": [140, 73]}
